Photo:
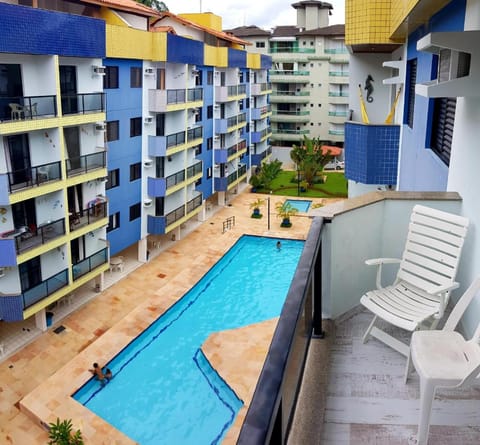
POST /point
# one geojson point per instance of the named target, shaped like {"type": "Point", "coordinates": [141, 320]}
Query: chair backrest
{"type": "Point", "coordinates": [16, 107]}
{"type": "Point", "coordinates": [432, 251]}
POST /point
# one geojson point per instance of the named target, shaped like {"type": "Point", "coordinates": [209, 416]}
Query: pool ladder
{"type": "Point", "coordinates": [228, 224]}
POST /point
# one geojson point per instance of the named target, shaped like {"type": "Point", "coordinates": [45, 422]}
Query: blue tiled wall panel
{"type": "Point", "coordinates": [220, 184]}
{"type": "Point", "coordinates": [156, 187]}
{"type": "Point", "coordinates": [183, 50]}
{"type": "Point", "coordinates": [221, 156]}
{"type": "Point", "coordinates": [371, 153]}
{"type": "Point", "coordinates": [37, 31]}
{"type": "Point", "coordinates": [256, 159]}
{"type": "Point", "coordinates": [8, 253]}
{"type": "Point", "coordinates": [237, 58]}
{"type": "Point", "coordinates": [265, 62]}
{"type": "Point", "coordinates": [11, 308]}
{"type": "Point", "coordinates": [4, 195]}
{"type": "Point", "coordinates": [156, 225]}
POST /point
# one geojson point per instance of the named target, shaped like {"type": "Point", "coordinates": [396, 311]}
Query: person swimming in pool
{"type": "Point", "coordinates": [279, 245]}
{"type": "Point", "coordinates": [97, 372]}
{"type": "Point", "coordinates": [108, 374]}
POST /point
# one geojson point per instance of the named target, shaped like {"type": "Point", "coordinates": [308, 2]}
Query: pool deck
{"type": "Point", "coordinates": [36, 382]}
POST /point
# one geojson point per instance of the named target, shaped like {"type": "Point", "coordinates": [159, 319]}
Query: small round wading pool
{"type": "Point", "coordinates": [300, 204]}
{"type": "Point", "coordinates": [164, 390]}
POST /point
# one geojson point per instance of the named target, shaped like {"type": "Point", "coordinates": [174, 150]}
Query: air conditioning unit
{"type": "Point", "coordinates": [216, 137]}
{"type": "Point", "coordinates": [195, 72]}
{"type": "Point", "coordinates": [100, 70]}
{"type": "Point", "coordinates": [195, 111]}
{"type": "Point", "coordinates": [104, 179]}
{"type": "Point", "coordinates": [148, 163]}
{"type": "Point", "coordinates": [216, 106]}
{"type": "Point", "coordinates": [148, 119]}
{"type": "Point", "coordinates": [149, 71]}
{"type": "Point", "coordinates": [101, 126]}
{"type": "Point", "coordinates": [2, 272]}
{"type": "Point", "coordinates": [147, 202]}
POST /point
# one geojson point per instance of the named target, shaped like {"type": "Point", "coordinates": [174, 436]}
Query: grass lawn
{"type": "Point", "coordinates": [334, 187]}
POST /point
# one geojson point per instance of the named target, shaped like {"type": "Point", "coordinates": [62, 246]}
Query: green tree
{"type": "Point", "coordinates": [310, 158]}
{"type": "Point", "coordinates": [61, 433]}
{"type": "Point", "coordinates": [267, 173]}
{"type": "Point", "coordinates": [154, 4]}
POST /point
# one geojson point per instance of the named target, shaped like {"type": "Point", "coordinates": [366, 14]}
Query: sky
{"type": "Point", "coordinates": [265, 14]}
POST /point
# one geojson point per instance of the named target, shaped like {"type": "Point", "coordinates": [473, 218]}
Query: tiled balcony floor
{"type": "Point", "coordinates": [366, 400]}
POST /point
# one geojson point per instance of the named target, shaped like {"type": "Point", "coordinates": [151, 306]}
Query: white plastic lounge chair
{"type": "Point", "coordinates": [426, 275]}
{"type": "Point", "coordinates": [445, 359]}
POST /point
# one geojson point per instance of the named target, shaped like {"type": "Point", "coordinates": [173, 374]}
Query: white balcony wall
{"type": "Point", "coordinates": [53, 261]}
{"type": "Point", "coordinates": [44, 146]}
{"type": "Point", "coordinates": [177, 163]}
{"type": "Point", "coordinates": [174, 201]}
{"type": "Point", "coordinates": [10, 282]}
{"type": "Point", "coordinates": [95, 241]}
{"type": "Point", "coordinates": [175, 122]}
{"type": "Point", "coordinates": [87, 80]}
{"type": "Point", "coordinates": [50, 207]}
{"type": "Point", "coordinates": [91, 140]}
{"type": "Point", "coordinates": [91, 190]}
{"type": "Point", "coordinates": [176, 76]}
{"type": "Point", "coordinates": [369, 231]}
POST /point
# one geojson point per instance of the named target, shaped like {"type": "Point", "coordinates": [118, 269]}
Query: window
{"type": "Point", "coordinates": [135, 171]}
{"type": "Point", "coordinates": [110, 80]}
{"type": "Point", "coordinates": [410, 91]}
{"type": "Point", "coordinates": [135, 126]}
{"type": "Point", "coordinates": [209, 143]}
{"type": "Point", "coordinates": [210, 112]}
{"type": "Point", "coordinates": [113, 222]}
{"type": "Point", "coordinates": [113, 179]}
{"type": "Point", "coordinates": [135, 211]}
{"type": "Point", "coordinates": [442, 127]}
{"type": "Point", "coordinates": [259, 44]}
{"type": "Point", "coordinates": [209, 77]}
{"type": "Point", "coordinates": [135, 77]}
{"type": "Point", "coordinates": [209, 172]}
{"type": "Point", "coordinates": [112, 131]}
{"type": "Point", "coordinates": [198, 150]}
{"type": "Point", "coordinates": [240, 77]}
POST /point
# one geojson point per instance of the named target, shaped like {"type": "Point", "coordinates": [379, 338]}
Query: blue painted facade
{"type": "Point", "coordinates": [124, 103]}
{"type": "Point", "coordinates": [419, 167]}
{"type": "Point", "coordinates": [183, 50]}
{"type": "Point", "coordinates": [237, 58]}
{"type": "Point", "coordinates": [27, 30]}
{"type": "Point", "coordinates": [371, 153]}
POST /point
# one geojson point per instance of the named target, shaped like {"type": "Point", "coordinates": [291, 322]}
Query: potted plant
{"type": "Point", "coordinates": [303, 186]}
{"type": "Point", "coordinates": [61, 433]}
{"type": "Point", "coordinates": [285, 210]}
{"type": "Point", "coordinates": [255, 205]}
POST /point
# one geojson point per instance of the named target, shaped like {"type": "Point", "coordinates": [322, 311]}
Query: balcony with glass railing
{"type": "Point", "coordinates": [230, 93]}
{"type": "Point", "coordinates": [289, 76]}
{"type": "Point", "coordinates": [259, 154]}
{"type": "Point", "coordinates": [290, 116]}
{"type": "Point", "coordinates": [163, 145]}
{"type": "Point", "coordinates": [259, 136]}
{"type": "Point", "coordinates": [86, 163]}
{"type": "Point", "coordinates": [94, 212]}
{"type": "Point", "coordinates": [258, 89]}
{"type": "Point", "coordinates": [294, 97]}
{"type": "Point", "coordinates": [160, 101]}
{"type": "Point", "coordinates": [14, 108]}
{"type": "Point", "coordinates": [195, 135]}
{"type": "Point", "coordinates": [44, 289]}
{"type": "Point", "coordinates": [261, 112]}
{"type": "Point", "coordinates": [33, 176]}
{"type": "Point", "coordinates": [83, 103]}
{"type": "Point", "coordinates": [89, 264]}
{"type": "Point", "coordinates": [287, 134]}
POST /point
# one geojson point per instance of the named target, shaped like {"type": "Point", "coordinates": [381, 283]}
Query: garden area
{"type": "Point", "coordinates": [310, 180]}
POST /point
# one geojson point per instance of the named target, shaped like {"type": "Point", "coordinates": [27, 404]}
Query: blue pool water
{"type": "Point", "coordinates": [164, 391]}
{"type": "Point", "coordinates": [299, 204]}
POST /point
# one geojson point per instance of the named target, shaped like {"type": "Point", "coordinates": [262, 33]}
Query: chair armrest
{"type": "Point", "coordinates": [379, 262]}
{"type": "Point", "coordinates": [442, 292]}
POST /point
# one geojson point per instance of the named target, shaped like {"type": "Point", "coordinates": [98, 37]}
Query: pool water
{"type": "Point", "coordinates": [300, 204]}
{"type": "Point", "coordinates": [164, 390]}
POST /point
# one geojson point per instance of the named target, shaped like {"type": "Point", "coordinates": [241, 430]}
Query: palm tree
{"type": "Point", "coordinates": [285, 210]}
{"type": "Point", "coordinates": [310, 158]}
{"type": "Point", "coordinates": [255, 205]}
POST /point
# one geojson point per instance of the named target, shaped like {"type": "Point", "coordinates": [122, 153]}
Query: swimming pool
{"type": "Point", "coordinates": [164, 391]}
{"type": "Point", "coordinates": [300, 204]}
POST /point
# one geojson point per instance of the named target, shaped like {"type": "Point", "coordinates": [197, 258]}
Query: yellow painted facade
{"type": "Point", "coordinates": [214, 56]}
{"type": "Point", "coordinates": [135, 44]}
{"type": "Point", "coordinates": [254, 61]}
{"type": "Point", "coordinates": [206, 19]}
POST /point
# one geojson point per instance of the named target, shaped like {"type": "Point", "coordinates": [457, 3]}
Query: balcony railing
{"type": "Point", "coordinates": [194, 94]}
{"type": "Point", "coordinates": [194, 133]}
{"type": "Point", "coordinates": [338, 113]}
{"type": "Point", "coordinates": [291, 113]}
{"type": "Point", "coordinates": [289, 73]}
{"type": "Point", "coordinates": [175, 139]}
{"type": "Point", "coordinates": [236, 90]}
{"type": "Point", "coordinates": [336, 51]}
{"type": "Point", "coordinates": [176, 96]}
{"type": "Point", "coordinates": [290, 93]}
{"type": "Point", "coordinates": [45, 288]}
{"type": "Point", "coordinates": [83, 103]}
{"type": "Point", "coordinates": [338, 73]}
{"type": "Point", "coordinates": [96, 211]}
{"type": "Point", "coordinates": [242, 145]}
{"type": "Point", "coordinates": [194, 203]}
{"type": "Point", "coordinates": [242, 170]}
{"type": "Point", "coordinates": [38, 175]}
{"type": "Point", "coordinates": [27, 107]}
{"type": "Point", "coordinates": [194, 169]}
{"type": "Point", "coordinates": [28, 238]}
{"type": "Point", "coordinates": [338, 94]}
{"type": "Point", "coordinates": [175, 179]}
{"type": "Point", "coordinates": [88, 264]}
{"type": "Point", "coordinates": [84, 164]}
{"type": "Point", "coordinates": [292, 50]}
{"type": "Point", "coordinates": [236, 120]}
{"type": "Point", "coordinates": [174, 215]}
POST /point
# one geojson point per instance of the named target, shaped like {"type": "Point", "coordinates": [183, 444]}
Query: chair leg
{"type": "Point", "coordinates": [427, 394]}
{"type": "Point", "coordinates": [369, 329]}
{"type": "Point", "coordinates": [408, 367]}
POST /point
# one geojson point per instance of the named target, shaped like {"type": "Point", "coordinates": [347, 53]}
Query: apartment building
{"type": "Point", "coordinates": [119, 124]}
{"type": "Point", "coordinates": [309, 75]}
{"type": "Point", "coordinates": [424, 62]}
